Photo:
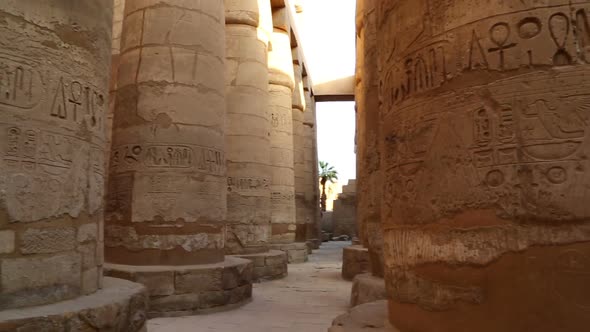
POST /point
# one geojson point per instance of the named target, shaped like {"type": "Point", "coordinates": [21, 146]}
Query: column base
{"type": "Point", "coordinates": [120, 306]}
{"type": "Point", "coordinates": [296, 252]}
{"type": "Point", "coordinates": [367, 288]}
{"type": "Point", "coordinates": [270, 265]}
{"type": "Point", "coordinates": [189, 290]}
{"type": "Point", "coordinates": [355, 261]}
{"type": "Point", "coordinates": [369, 317]}
{"type": "Point", "coordinates": [314, 243]}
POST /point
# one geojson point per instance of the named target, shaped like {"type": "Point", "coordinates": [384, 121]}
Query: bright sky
{"type": "Point", "coordinates": [336, 129]}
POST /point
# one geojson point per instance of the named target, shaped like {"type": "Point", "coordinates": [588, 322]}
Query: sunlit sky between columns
{"type": "Point", "coordinates": [336, 129]}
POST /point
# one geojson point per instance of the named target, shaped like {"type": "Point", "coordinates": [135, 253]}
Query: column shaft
{"type": "Point", "coordinates": [53, 100]}
{"type": "Point", "coordinates": [485, 135]}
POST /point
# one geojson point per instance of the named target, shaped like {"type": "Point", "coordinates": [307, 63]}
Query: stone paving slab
{"type": "Point", "coordinates": [306, 301]}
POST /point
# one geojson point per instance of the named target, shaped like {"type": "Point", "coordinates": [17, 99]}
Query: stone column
{"type": "Point", "coordinates": [370, 286]}
{"type": "Point", "coordinates": [311, 191]}
{"type": "Point", "coordinates": [485, 130]}
{"type": "Point", "coordinates": [165, 223]}
{"type": "Point", "coordinates": [298, 106]}
{"type": "Point", "coordinates": [248, 28]}
{"type": "Point", "coordinates": [118, 12]}
{"type": "Point", "coordinates": [53, 100]}
{"type": "Point", "coordinates": [281, 85]}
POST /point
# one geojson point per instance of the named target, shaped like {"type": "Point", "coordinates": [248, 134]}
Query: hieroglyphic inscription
{"type": "Point", "coordinates": [499, 44]}
{"type": "Point", "coordinates": [237, 184]}
{"type": "Point", "coordinates": [281, 120]}
{"type": "Point", "coordinates": [171, 156]}
{"type": "Point", "coordinates": [282, 196]}
{"type": "Point", "coordinates": [78, 102]}
{"type": "Point", "coordinates": [49, 152]}
{"type": "Point", "coordinates": [20, 84]}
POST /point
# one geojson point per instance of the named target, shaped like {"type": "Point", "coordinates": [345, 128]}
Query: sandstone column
{"type": "Point", "coordinates": [311, 189]}
{"type": "Point", "coordinates": [53, 99]}
{"type": "Point", "coordinates": [281, 85]}
{"type": "Point", "coordinates": [118, 12]}
{"type": "Point", "coordinates": [248, 28]}
{"type": "Point", "coordinates": [165, 223]}
{"type": "Point", "coordinates": [371, 286]}
{"type": "Point", "coordinates": [298, 108]}
{"type": "Point", "coordinates": [485, 133]}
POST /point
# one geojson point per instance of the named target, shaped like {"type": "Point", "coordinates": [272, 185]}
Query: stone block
{"type": "Point", "coordinates": [370, 317]}
{"type": "Point", "coordinates": [48, 240]}
{"type": "Point", "coordinates": [240, 294]}
{"type": "Point", "coordinates": [237, 275]}
{"type": "Point", "coordinates": [119, 307]}
{"type": "Point", "coordinates": [157, 283]}
{"type": "Point", "coordinates": [178, 302]}
{"type": "Point", "coordinates": [20, 274]}
{"type": "Point", "coordinates": [88, 232]}
{"type": "Point", "coordinates": [367, 288]}
{"type": "Point", "coordinates": [297, 256]}
{"type": "Point", "coordinates": [7, 239]}
{"type": "Point", "coordinates": [90, 281]}
{"type": "Point", "coordinates": [214, 299]}
{"type": "Point", "coordinates": [88, 254]}
{"type": "Point", "coordinates": [278, 258]}
{"type": "Point", "coordinates": [196, 281]}
{"type": "Point", "coordinates": [355, 260]}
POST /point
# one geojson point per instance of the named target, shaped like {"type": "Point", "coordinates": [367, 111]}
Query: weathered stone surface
{"type": "Point", "coordinates": [54, 86]}
{"type": "Point", "coordinates": [484, 142]}
{"type": "Point", "coordinates": [367, 288]}
{"type": "Point", "coordinates": [197, 281]}
{"type": "Point", "coordinates": [248, 126]}
{"type": "Point", "coordinates": [296, 252]}
{"type": "Point", "coordinates": [157, 284]}
{"type": "Point", "coordinates": [7, 241]}
{"type": "Point", "coordinates": [39, 280]}
{"type": "Point", "coordinates": [355, 260]}
{"type": "Point", "coordinates": [167, 176]}
{"type": "Point", "coordinates": [47, 240]}
{"type": "Point", "coordinates": [87, 233]}
{"type": "Point", "coordinates": [344, 214]}
{"type": "Point", "coordinates": [268, 266]}
{"type": "Point", "coordinates": [281, 79]}
{"type": "Point", "coordinates": [120, 306]}
{"type": "Point", "coordinates": [188, 290]}
{"type": "Point", "coordinates": [370, 317]}
{"type": "Point", "coordinates": [369, 171]}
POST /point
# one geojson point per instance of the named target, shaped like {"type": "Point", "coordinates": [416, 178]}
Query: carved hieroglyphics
{"type": "Point", "coordinates": [281, 87]}
{"type": "Point", "coordinates": [248, 29]}
{"type": "Point", "coordinates": [54, 65]}
{"type": "Point", "coordinates": [166, 212]}
{"type": "Point", "coordinates": [485, 108]}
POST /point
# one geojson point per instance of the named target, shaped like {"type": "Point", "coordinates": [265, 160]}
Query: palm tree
{"type": "Point", "coordinates": [327, 173]}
